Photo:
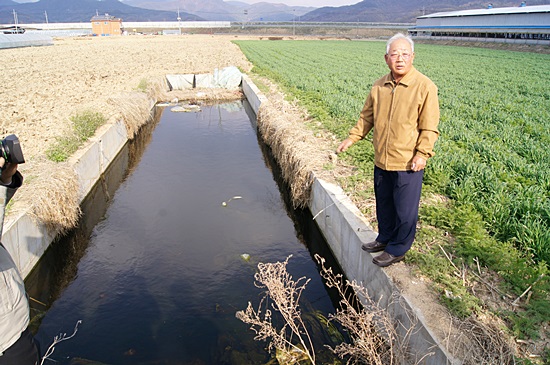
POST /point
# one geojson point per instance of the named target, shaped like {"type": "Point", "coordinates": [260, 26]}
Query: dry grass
{"type": "Point", "coordinates": [292, 342]}
{"type": "Point", "coordinates": [373, 333]}
{"type": "Point", "coordinates": [482, 342]}
{"type": "Point", "coordinates": [133, 109]}
{"type": "Point", "coordinates": [198, 95]}
{"type": "Point", "coordinates": [295, 148]}
{"type": "Point", "coordinates": [376, 338]}
{"type": "Point", "coordinates": [54, 199]}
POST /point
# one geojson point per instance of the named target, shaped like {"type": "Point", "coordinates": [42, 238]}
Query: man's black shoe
{"type": "Point", "coordinates": [373, 246]}
{"type": "Point", "coordinates": [386, 259]}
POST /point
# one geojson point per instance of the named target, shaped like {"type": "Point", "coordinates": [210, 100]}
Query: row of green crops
{"type": "Point", "coordinates": [492, 159]}
{"type": "Point", "coordinates": [494, 149]}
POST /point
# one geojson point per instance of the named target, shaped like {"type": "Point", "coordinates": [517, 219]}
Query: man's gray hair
{"type": "Point", "coordinates": [397, 37]}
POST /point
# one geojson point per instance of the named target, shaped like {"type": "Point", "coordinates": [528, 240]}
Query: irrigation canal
{"type": "Point", "coordinates": [159, 265]}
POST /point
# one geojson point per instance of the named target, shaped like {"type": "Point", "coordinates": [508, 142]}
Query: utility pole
{"type": "Point", "coordinates": [293, 21]}
{"type": "Point", "coordinates": [179, 20]}
{"type": "Point", "coordinates": [15, 20]}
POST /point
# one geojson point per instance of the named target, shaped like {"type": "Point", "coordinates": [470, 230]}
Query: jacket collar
{"type": "Point", "coordinates": [406, 80]}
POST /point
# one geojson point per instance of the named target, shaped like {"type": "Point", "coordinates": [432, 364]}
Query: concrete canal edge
{"type": "Point", "coordinates": [338, 218]}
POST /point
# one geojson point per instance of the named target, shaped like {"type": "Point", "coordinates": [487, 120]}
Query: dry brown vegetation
{"type": "Point", "coordinates": [293, 145]}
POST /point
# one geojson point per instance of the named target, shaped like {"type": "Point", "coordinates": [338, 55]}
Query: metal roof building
{"type": "Point", "coordinates": [530, 24]}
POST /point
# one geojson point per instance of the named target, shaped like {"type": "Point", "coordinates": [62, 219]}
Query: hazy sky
{"type": "Point", "coordinates": [316, 3]}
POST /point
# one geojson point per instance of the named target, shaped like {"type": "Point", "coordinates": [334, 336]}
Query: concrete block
{"type": "Point", "coordinates": [87, 165]}
{"type": "Point", "coordinates": [253, 94]}
{"type": "Point", "coordinates": [111, 141]}
{"type": "Point", "coordinates": [94, 159]}
{"type": "Point", "coordinates": [26, 241]}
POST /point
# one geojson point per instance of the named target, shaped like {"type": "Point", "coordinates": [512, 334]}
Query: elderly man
{"type": "Point", "coordinates": [403, 111]}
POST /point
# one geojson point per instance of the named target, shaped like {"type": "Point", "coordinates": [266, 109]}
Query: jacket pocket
{"type": "Point", "coordinates": [12, 289]}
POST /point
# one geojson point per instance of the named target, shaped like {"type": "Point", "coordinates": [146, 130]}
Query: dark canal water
{"type": "Point", "coordinates": [155, 271]}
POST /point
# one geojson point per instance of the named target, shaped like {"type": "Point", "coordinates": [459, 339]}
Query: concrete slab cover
{"type": "Point", "coordinates": [204, 81]}
{"type": "Point", "coordinates": [180, 82]}
{"type": "Point", "coordinates": [229, 78]}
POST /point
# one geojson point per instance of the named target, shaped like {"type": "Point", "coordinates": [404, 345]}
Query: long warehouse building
{"type": "Point", "coordinates": [522, 24]}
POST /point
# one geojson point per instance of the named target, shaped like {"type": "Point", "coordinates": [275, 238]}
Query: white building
{"type": "Point", "coordinates": [527, 24]}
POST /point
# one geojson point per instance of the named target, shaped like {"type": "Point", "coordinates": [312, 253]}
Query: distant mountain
{"type": "Point", "coordinates": [60, 11]}
{"type": "Point", "coordinates": [226, 10]}
{"type": "Point", "coordinates": [400, 11]}
{"type": "Point", "coordinates": [265, 11]}
{"type": "Point", "coordinates": [206, 9]}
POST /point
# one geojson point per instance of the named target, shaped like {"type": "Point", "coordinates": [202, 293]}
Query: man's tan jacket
{"type": "Point", "coordinates": [404, 116]}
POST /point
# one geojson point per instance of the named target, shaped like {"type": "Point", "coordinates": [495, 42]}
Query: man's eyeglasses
{"type": "Point", "coordinates": [395, 56]}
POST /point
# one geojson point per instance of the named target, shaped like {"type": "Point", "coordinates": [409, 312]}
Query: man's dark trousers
{"type": "Point", "coordinates": [24, 351]}
{"type": "Point", "coordinates": [397, 199]}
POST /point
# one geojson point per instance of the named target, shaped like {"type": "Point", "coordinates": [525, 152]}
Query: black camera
{"type": "Point", "coordinates": [10, 149]}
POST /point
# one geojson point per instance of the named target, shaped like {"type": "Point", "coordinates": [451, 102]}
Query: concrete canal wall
{"type": "Point", "coordinates": [337, 217]}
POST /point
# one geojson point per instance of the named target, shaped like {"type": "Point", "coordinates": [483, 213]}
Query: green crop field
{"type": "Point", "coordinates": [492, 158]}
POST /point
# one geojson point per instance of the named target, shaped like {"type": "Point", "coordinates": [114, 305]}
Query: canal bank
{"type": "Point", "coordinates": [339, 220]}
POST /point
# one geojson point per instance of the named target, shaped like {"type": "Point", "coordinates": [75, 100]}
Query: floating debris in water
{"type": "Point", "coordinates": [224, 204]}
{"type": "Point", "coordinates": [189, 108]}
{"type": "Point", "coordinates": [245, 256]}
{"type": "Point", "coordinates": [80, 361]}
{"type": "Point", "coordinates": [130, 352]}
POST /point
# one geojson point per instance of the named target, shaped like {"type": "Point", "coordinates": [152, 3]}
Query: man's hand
{"type": "Point", "coordinates": [8, 170]}
{"type": "Point", "coordinates": [346, 143]}
{"type": "Point", "coordinates": [418, 163]}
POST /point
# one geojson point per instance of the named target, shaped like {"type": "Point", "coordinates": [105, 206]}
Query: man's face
{"type": "Point", "coordinates": [399, 58]}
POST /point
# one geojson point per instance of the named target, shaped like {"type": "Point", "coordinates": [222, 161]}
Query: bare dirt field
{"type": "Point", "coordinates": [43, 86]}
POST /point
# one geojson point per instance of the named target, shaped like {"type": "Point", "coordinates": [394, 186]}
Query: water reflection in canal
{"type": "Point", "coordinates": [155, 271]}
